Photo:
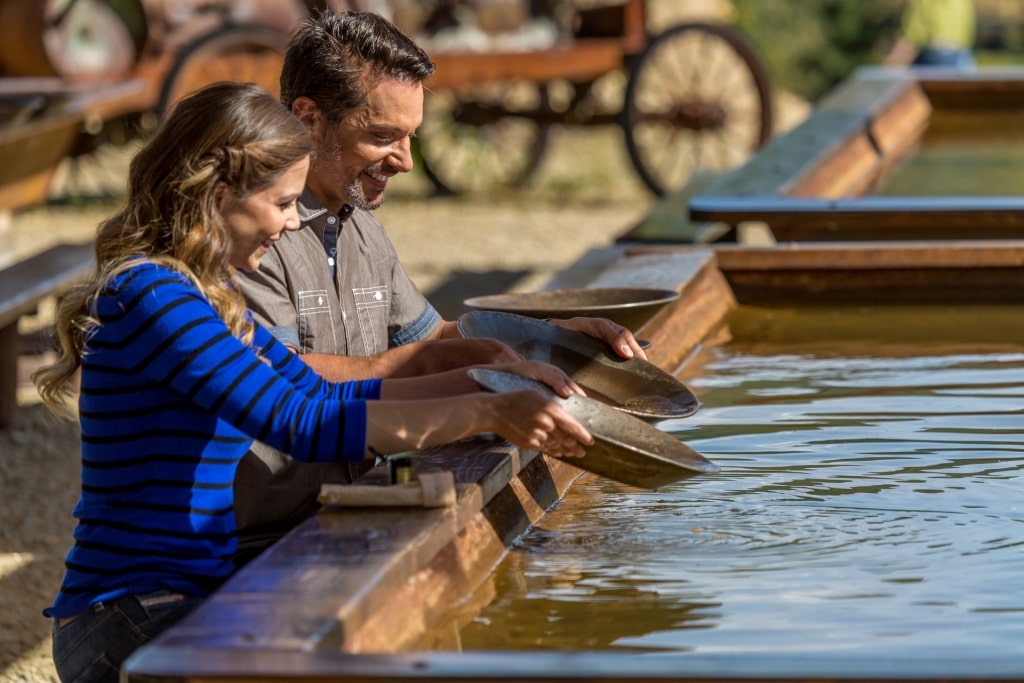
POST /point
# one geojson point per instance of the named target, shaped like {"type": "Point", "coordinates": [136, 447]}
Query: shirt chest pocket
{"type": "Point", "coordinates": [371, 297]}
{"type": "Point", "coordinates": [373, 306]}
{"type": "Point", "coordinates": [317, 322]}
{"type": "Point", "coordinates": [314, 302]}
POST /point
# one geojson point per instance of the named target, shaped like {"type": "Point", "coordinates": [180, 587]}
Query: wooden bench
{"type": "Point", "coordinates": [22, 287]}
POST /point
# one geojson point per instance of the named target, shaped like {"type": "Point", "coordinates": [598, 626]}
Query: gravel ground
{"type": "Point", "coordinates": [585, 195]}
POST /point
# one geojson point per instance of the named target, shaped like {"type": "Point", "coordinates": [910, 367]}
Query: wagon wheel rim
{"type": "Point", "coordinates": [247, 54]}
{"type": "Point", "coordinates": [483, 137]}
{"type": "Point", "coordinates": [698, 99]}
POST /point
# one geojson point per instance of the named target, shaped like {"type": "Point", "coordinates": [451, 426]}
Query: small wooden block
{"type": "Point", "coordinates": [430, 489]}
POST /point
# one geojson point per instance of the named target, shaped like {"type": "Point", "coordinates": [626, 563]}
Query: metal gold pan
{"type": "Point", "coordinates": [633, 386]}
{"type": "Point", "coordinates": [625, 448]}
{"type": "Point", "coordinates": [628, 306]}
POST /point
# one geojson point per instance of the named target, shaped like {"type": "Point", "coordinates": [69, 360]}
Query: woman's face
{"type": "Point", "coordinates": [259, 219]}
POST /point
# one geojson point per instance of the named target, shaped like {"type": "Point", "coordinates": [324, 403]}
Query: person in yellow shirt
{"type": "Point", "coordinates": [935, 33]}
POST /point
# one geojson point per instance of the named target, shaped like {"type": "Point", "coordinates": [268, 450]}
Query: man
{"type": "Point", "coordinates": [935, 33]}
{"type": "Point", "coordinates": [335, 291]}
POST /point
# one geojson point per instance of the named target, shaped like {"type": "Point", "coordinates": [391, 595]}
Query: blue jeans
{"type": "Point", "coordinates": [940, 56]}
{"type": "Point", "coordinates": [91, 647]}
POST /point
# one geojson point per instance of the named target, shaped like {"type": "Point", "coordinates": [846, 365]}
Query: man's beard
{"type": "Point", "coordinates": [357, 198]}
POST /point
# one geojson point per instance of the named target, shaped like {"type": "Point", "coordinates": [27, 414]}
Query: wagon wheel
{"type": "Point", "coordinates": [248, 54]}
{"type": "Point", "coordinates": [482, 137]}
{"type": "Point", "coordinates": [698, 97]}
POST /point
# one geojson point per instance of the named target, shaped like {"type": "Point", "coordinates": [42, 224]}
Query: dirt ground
{"type": "Point", "coordinates": [585, 195]}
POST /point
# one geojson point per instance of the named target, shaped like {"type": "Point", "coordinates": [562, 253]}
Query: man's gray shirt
{"type": "Point", "coordinates": [335, 286]}
{"type": "Point", "coordinates": [368, 305]}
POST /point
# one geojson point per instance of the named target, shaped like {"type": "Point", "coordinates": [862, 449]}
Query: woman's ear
{"type": "Point", "coordinates": [221, 193]}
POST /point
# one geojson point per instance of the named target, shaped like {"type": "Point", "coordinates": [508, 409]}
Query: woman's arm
{"type": "Point", "coordinates": [528, 419]}
{"type": "Point", "coordinates": [457, 382]}
{"type": "Point", "coordinates": [178, 340]}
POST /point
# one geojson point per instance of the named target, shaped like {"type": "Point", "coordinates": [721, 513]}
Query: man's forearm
{"type": "Point", "coordinates": [345, 368]}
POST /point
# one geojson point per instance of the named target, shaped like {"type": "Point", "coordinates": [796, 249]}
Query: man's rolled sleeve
{"type": "Point", "coordinates": [289, 336]}
{"type": "Point", "coordinates": [421, 328]}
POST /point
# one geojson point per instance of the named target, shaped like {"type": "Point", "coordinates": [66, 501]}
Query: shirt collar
{"type": "Point", "coordinates": [315, 215]}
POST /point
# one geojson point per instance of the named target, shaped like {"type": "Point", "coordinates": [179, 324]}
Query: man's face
{"type": "Point", "coordinates": [356, 157]}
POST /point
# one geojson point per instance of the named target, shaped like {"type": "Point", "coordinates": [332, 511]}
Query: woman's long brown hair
{"type": "Point", "coordinates": [229, 135]}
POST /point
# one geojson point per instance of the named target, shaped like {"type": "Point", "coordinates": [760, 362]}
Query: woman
{"type": "Point", "coordinates": [177, 381]}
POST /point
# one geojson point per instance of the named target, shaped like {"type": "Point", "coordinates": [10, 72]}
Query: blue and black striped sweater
{"type": "Point", "coordinates": [170, 402]}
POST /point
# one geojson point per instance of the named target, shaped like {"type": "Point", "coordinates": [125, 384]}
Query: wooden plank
{"type": "Point", "coordinates": [897, 127]}
{"type": "Point", "coordinates": [34, 148]}
{"type": "Point", "coordinates": [994, 87]}
{"type": "Point", "coordinates": [810, 184]}
{"type": "Point", "coordinates": [888, 255]}
{"type": "Point", "coordinates": [10, 346]}
{"type": "Point", "coordinates": [587, 268]}
{"type": "Point", "coordinates": [62, 96]}
{"type": "Point", "coordinates": [875, 218]}
{"type": "Point", "coordinates": [703, 296]}
{"type": "Point", "coordinates": [847, 170]}
{"type": "Point", "coordinates": [583, 60]}
{"type": "Point", "coordinates": [334, 581]}
{"type": "Point", "coordinates": [877, 274]}
{"type": "Point", "coordinates": [30, 190]}
{"type": "Point", "coordinates": [780, 167]}
{"type": "Point", "coordinates": [170, 665]}
{"type": "Point", "coordinates": [460, 567]}
{"type": "Point", "coordinates": [22, 86]}
{"type": "Point", "coordinates": [22, 286]}
{"type": "Point", "coordinates": [884, 119]}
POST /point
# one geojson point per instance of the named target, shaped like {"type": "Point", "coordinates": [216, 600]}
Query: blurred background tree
{"type": "Point", "coordinates": [812, 45]}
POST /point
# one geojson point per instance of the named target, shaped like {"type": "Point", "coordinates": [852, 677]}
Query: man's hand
{"type": "Point", "coordinates": [614, 334]}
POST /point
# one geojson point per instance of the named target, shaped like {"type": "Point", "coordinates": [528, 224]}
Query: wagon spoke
{"type": "Point", "coordinates": [484, 137]}
{"type": "Point", "coordinates": [697, 98]}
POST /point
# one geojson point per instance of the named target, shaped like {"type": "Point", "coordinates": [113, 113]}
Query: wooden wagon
{"type": "Point", "coordinates": [78, 73]}
{"type": "Point", "coordinates": [697, 95]}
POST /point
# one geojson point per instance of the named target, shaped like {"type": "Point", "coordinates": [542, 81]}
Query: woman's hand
{"type": "Point", "coordinates": [529, 419]}
{"type": "Point", "coordinates": [612, 333]}
{"type": "Point", "coordinates": [554, 377]}
{"type": "Point", "coordinates": [533, 421]}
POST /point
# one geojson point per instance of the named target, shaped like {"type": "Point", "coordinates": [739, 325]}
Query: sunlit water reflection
{"type": "Point", "coordinates": [867, 504]}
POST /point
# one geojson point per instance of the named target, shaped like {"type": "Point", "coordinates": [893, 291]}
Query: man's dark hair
{"type": "Point", "coordinates": [335, 58]}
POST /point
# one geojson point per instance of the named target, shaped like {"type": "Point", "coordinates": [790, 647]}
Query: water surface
{"type": "Point", "coordinates": [962, 153]}
{"type": "Point", "coordinates": [869, 504]}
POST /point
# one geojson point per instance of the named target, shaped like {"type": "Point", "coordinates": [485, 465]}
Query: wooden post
{"type": "Point", "coordinates": [9, 350]}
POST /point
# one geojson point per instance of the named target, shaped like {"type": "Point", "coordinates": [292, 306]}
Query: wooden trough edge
{"type": "Point", "coordinates": [358, 579]}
